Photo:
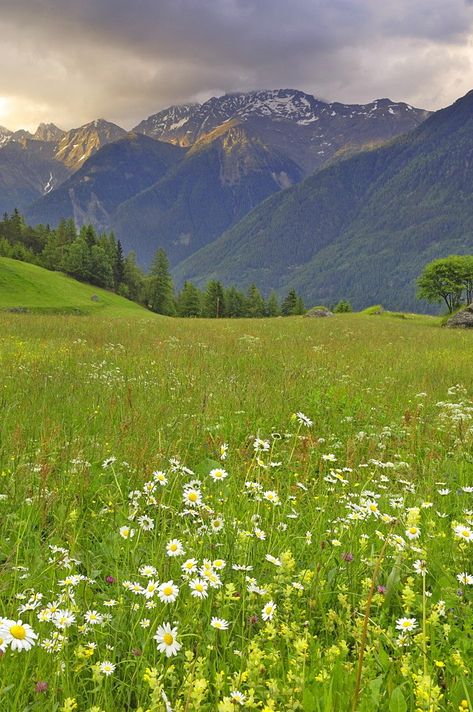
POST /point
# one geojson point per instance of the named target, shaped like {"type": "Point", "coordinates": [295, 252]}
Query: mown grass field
{"type": "Point", "coordinates": [314, 546]}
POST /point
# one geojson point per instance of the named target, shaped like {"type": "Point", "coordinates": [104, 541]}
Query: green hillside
{"type": "Point", "coordinates": [361, 229]}
{"type": "Point", "coordinates": [222, 177]}
{"type": "Point", "coordinates": [26, 286]}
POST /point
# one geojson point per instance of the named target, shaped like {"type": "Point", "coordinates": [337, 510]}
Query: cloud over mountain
{"type": "Point", "coordinates": [69, 62]}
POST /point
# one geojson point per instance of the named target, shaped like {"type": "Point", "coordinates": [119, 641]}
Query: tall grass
{"type": "Point", "coordinates": [92, 407]}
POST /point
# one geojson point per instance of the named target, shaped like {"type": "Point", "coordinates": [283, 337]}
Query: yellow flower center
{"type": "Point", "coordinates": [199, 587]}
{"type": "Point", "coordinates": [406, 624]}
{"type": "Point", "coordinates": [173, 547]}
{"type": "Point", "coordinates": [193, 496]}
{"type": "Point", "coordinates": [466, 533]}
{"type": "Point", "coordinates": [413, 530]}
{"type": "Point", "coordinates": [167, 590]}
{"type": "Point", "coordinates": [168, 638]}
{"type": "Point", "coordinates": [18, 632]}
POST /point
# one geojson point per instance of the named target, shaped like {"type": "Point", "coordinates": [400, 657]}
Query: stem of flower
{"type": "Point", "coordinates": [364, 632]}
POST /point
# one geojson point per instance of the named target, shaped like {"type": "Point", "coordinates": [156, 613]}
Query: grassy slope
{"type": "Point", "coordinates": [23, 285]}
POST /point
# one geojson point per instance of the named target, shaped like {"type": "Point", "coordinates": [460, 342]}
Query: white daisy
{"type": "Point", "coordinates": [151, 588]}
{"type": "Point", "coordinates": [406, 624]}
{"type": "Point", "coordinates": [107, 668]}
{"type": "Point", "coordinates": [219, 623]}
{"type": "Point", "coordinates": [174, 548]}
{"type": "Point", "coordinates": [268, 611]}
{"type": "Point", "coordinates": [189, 566]}
{"type": "Point", "coordinates": [93, 617]}
{"type": "Point", "coordinates": [166, 638]}
{"type": "Point", "coordinates": [192, 497]}
{"type": "Point", "coordinates": [420, 567]}
{"type": "Point", "coordinates": [462, 532]}
{"type": "Point", "coordinates": [147, 570]}
{"type": "Point", "coordinates": [63, 619]}
{"type": "Point", "coordinates": [238, 697]}
{"type": "Point", "coordinates": [18, 635]}
{"type": "Point", "coordinates": [168, 592]}
{"type": "Point", "coordinates": [199, 588]}
{"type": "Point", "coordinates": [126, 532]}
{"type": "Point", "coordinates": [413, 533]}
{"type": "Point", "coordinates": [160, 478]}
{"type": "Point", "coordinates": [218, 474]}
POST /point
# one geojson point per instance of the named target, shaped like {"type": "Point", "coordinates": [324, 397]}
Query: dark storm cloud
{"type": "Point", "coordinates": [71, 61]}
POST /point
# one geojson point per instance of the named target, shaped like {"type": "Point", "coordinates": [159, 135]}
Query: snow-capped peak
{"type": "Point", "coordinates": [185, 124]}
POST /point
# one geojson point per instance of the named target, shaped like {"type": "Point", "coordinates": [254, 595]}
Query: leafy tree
{"type": "Point", "coordinates": [160, 286]}
{"type": "Point", "coordinates": [213, 305]}
{"type": "Point", "coordinates": [100, 267]}
{"type": "Point", "coordinates": [466, 272]}
{"type": "Point", "coordinates": [189, 301]}
{"type": "Point", "coordinates": [78, 261]}
{"type": "Point", "coordinates": [443, 279]}
{"type": "Point", "coordinates": [343, 307]}
{"type": "Point", "coordinates": [133, 285]}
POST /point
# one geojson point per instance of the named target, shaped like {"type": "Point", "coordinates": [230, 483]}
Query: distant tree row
{"type": "Point", "coordinates": [99, 260]}
{"type": "Point", "coordinates": [449, 279]}
{"type": "Point", "coordinates": [215, 301]}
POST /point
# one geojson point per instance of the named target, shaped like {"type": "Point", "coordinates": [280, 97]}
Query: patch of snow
{"type": "Point", "coordinates": [49, 185]}
{"type": "Point", "coordinates": [178, 124]}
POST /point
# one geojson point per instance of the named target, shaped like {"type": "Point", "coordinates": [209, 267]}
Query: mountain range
{"type": "Point", "coordinates": [363, 227]}
{"type": "Point", "coordinates": [273, 187]}
{"type": "Point", "coordinates": [232, 152]}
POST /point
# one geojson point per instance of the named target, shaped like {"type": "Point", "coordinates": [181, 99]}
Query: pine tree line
{"type": "Point", "coordinates": [99, 260]}
{"type": "Point", "coordinates": [215, 301]}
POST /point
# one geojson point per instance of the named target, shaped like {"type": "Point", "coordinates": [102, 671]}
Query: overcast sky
{"type": "Point", "coordinates": [70, 61]}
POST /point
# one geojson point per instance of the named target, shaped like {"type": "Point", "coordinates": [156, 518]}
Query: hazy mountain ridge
{"type": "Point", "coordinates": [290, 133]}
{"type": "Point", "coordinates": [223, 176]}
{"type": "Point", "coordinates": [32, 165]}
{"type": "Point", "coordinates": [93, 193]}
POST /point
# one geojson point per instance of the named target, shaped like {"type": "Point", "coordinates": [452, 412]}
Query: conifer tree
{"type": "Point", "coordinates": [189, 301]}
{"type": "Point", "coordinates": [273, 308]}
{"type": "Point", "coordinates": [289, 305]}
{"type": "Point", "coordinates": [214, 300]}
{"type": "Point", "coordinates": [160, 286]}
{"type": "Point", "coordinates": [234, 303]}
{"type": "Point", "coordinates": [255, 306]}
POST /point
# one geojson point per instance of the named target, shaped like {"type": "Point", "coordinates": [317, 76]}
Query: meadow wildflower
{"type": "Point", "coordinates": [17, 635]}
{"type": "Point", "coordinates": [268, 611]}
{"type": "Point", "coordinates": [406, 624]}
{"type": "Point", "coordinates": [174, 548]}
{"type": "Point", "coordinates": [218, 474]}
{"type": "Point", "coordinates": [107, 668]}
{"type": "Point", "coordinates": [168, 592]}
{"type": "Point", "coordinates": [219, 623]}
{"type": "Point", "coordinates": [464, 533]}
{"type": "Point", "coordinates": [166, 638]}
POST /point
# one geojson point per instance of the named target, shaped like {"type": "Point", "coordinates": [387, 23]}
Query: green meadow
{"type": "Point", "coordinates": [218, 515]}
